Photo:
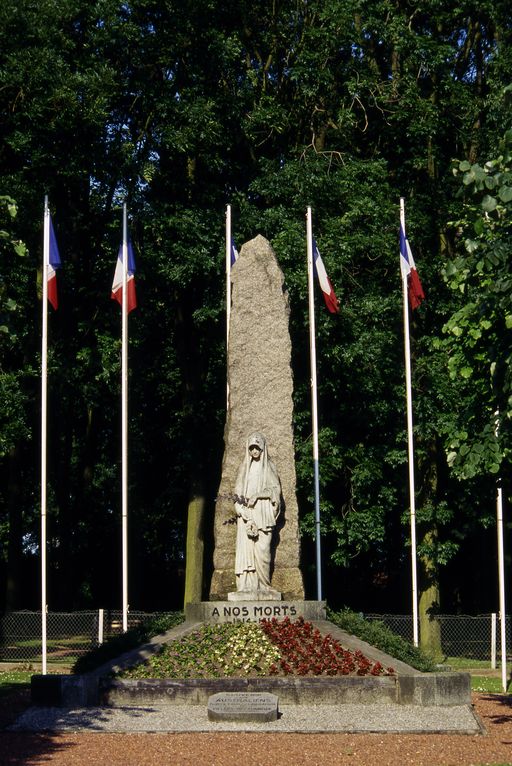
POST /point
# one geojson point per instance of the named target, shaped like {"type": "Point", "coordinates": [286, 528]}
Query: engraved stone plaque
{"type": "Point", "coordinates": [256, 707]}
{"type": "Point", "coordinates": [253, 611]}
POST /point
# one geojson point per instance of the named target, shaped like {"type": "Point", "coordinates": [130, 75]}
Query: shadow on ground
{"type": "Point", "coordinates": [25, 748]}
{"type": "Point", "coordinates": [505, 703]}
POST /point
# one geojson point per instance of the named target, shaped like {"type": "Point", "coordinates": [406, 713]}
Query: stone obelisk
{"type": "Point", "coordinates": [260, 399]}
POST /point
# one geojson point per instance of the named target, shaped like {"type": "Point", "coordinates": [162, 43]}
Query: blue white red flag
{"type": "Point", "coordinates": [330, 299]}
{"type": "Point", "coordinates": [408, 269]}
{"type": "Point", "coordinates": [233, 253]}
{"type": "Point", "coordinates": [117, 284]}
{"type": "Point", "coordinates": [53, 264]}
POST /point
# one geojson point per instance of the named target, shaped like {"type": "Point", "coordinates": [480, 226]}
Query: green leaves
{"type": "Point", "coordinates": [180, 108]}
{"type": "Point", "coordinates": [481, 343]}
{"type": "Point", "coordinates": [494, 176]}
{"type": "Point", "coordinates": [489, 204]}
{"type": "Point", "coordinates": [14, 422]}
{"type": "Point", "coordinates": [469, 457]}
{"type": "Point", "coordinates": [505, 193]}
{"type": "Point", "coordinates": [213, 651]}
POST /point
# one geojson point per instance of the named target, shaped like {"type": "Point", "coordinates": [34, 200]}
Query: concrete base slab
{"type": "Point", "coordinates": [410, 719]}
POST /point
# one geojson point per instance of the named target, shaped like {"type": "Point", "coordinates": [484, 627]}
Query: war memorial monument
{"type": "Point", "coordinates": [257, 550]}
{"type": "Point", "coordinates": [256, 564]}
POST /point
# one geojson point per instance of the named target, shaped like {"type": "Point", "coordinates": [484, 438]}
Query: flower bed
{"type": "Point", "coordinates": [271, 647]}
{"type": "Point", "coordinates": [305, 651]}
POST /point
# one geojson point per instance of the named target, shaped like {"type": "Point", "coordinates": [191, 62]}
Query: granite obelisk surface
{"type": "Point", "coordinates": [260, 399]}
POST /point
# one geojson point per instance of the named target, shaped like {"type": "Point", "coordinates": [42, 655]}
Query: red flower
{"type": "Point", "coordinates": [304, 650]}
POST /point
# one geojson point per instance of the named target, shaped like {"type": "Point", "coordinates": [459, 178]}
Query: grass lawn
{"type": "Point", "coordinates": [12, 680]}
{"type": "Point", "coordinates": [466, 663]}
{"type": "Point", "coordinates": [483, 678]}
{"type": "Point", "coordinates": [491, 684]}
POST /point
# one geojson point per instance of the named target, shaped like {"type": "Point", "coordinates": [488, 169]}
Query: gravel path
{"type": "Point", "coordinates": [293, 718]}
{"type": "Point", "coordinates": [223, 748]}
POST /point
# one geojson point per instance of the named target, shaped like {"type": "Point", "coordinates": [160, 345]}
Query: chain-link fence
{"type": "Point", "coordinates": [462, 636]}
{"type": "Point", "coordinates": [69, 634]}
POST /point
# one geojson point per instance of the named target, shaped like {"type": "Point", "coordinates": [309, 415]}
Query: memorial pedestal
{"type": "Point", "coordinates": [255, 595]}
{"type": "Point", "coordinates": [253, 611]}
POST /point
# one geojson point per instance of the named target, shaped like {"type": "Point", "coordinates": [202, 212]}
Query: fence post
{"type": "Point", "coordinates": [493, 641]}
{"type": "Point", "coordinates": [100, 626]}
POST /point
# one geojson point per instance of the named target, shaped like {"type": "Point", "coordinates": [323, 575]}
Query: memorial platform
{"type": "Point", "coordinates": [406, 687]}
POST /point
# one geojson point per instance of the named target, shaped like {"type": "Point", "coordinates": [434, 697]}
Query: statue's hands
{"type": "Point", "coordinates": [251, 529]}
{"type": "Point", "coordinates": [251, 502]}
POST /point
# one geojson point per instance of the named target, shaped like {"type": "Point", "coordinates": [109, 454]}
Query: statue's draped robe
{"type": "Point", "coordinates": [253, 552]}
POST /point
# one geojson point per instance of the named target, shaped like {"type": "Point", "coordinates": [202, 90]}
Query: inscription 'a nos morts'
{"type": "Point", "coordinates": [252, 613]}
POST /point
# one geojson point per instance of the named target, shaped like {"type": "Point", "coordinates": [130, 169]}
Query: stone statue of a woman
{"type": "Point", "coordinates": [259, 491]}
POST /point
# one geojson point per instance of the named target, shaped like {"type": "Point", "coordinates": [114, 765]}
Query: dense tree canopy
{"type": "Point", "coordinates": [179, 108]}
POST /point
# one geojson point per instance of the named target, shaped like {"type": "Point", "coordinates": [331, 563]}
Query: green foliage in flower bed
{"type": "Point", "coordinates": [212, 651]}
{"type": "Point", "coordinates": [272, 647]}
{"type": "Point", "coordinates": [381, 637]}
{"type": "Point", "coordinates": [130, 640]}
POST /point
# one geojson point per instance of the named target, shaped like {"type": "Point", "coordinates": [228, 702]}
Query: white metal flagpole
{"type": "Point", "coordinates": [124, 421]}
{"type": "Point", "coordinates": [501, 567]}
{"type": "Point", "coordinates": [228, 270]}
{"type": "Point", "coordinates": [314, 407]}
{"type": "Point", "coordinates": [44, 373]}
{"type": "Point", "coordinates": [410, 441]}
{"type": "Point", "coordinates": [228, 287]}
{"type": "Point", "coordinates": [501, 574]}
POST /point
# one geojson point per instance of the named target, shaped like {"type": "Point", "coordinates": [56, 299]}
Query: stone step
{"type": "Point", "coordinates": [319, 690]}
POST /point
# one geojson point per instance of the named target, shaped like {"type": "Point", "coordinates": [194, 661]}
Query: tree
{"type": "Point", "coordinates": [14, 371]}
{"type": "Point", "coordinates": [179, 108]}
{"type": "Point", "coordinates": [478, 341]}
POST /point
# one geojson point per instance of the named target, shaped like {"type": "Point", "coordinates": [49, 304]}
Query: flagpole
{"type": "Point", "coordinates": [44, 374]}
{"type": "Point", "coordinates": [228, 287]}
{"type": "Point", "coordinates": [314, 408]}
{"type": "Point", "coordinates": [410, 441]}
{"type": "Point", "coordinates": [124, 421]}
{"type": "Point", "coordinates": [501, 573]}
{"type": "Point", "coordinates": [501, 567]}
{"type": "Point", "coordinates": [228, 270]}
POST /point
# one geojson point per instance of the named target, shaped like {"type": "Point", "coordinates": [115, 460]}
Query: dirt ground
{"type": "Point", "coordinates": [229, 749]}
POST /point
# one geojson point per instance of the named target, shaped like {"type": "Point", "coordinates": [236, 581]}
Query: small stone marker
{"type": "Point", "coordinates": [256, 707]}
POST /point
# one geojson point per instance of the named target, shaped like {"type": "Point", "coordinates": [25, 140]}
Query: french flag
{"type": "Point", "coordinates": [117, 284]}
{"type": "Point", "coordinates": [53, 264]}
{"type": "Point", "coordinates": [408, 269]}
{"type": "Point", "coordinates": [233, 253]}
{"type": "Point", "coordinates": [330, 299]}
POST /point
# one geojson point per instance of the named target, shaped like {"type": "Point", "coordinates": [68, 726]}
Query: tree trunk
{"type": "Point", "coordinates": [193, 372]}
{"type": "Point", "coordinates": [194, 555]}
{"type": "Point", "coordinates": [428, 607]}
{"type": "Point", "coordinates": [428, 575]}
{"type": "Point", "coordinates": [430, 627]}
